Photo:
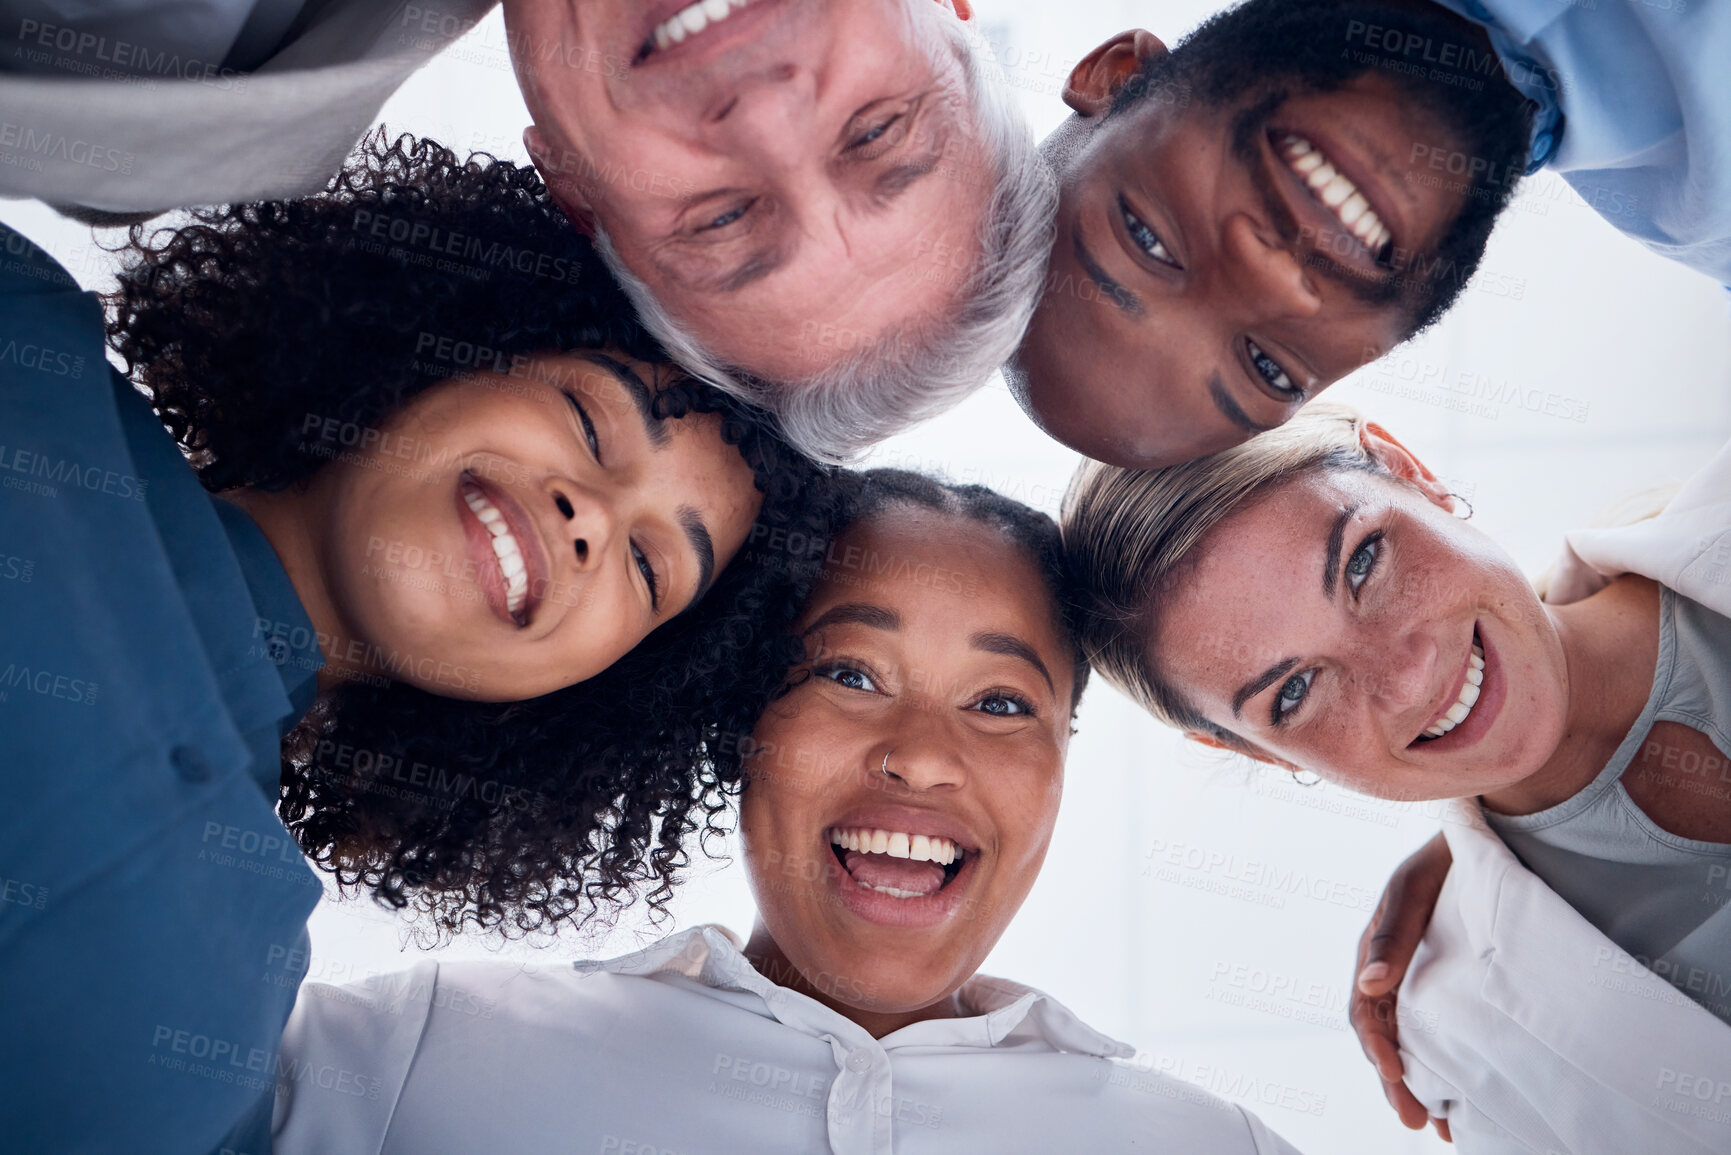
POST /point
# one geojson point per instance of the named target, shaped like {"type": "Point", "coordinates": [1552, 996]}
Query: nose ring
{"type": "Point", "coordinates": [885, 768]}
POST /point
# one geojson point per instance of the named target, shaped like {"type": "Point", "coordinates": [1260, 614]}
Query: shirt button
{"type": "Point", "coordinates": [859, 1060]}
{"type": "Point", "coordinates": [189, 764]}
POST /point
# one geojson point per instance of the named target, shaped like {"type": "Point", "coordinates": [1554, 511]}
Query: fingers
{"type": "Point", "coordinates": [1442, 1128]}
{"type": "Point", "coordinates": [1385, 950]}
{"type": "Point", "coordinates": [1401, 917]}
{"type": "Point", "coordinates": [1413, 1115]}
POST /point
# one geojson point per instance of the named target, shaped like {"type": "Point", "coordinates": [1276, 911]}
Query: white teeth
{"type": "Point", "coordinates": [691, 20]}
{"type": "Point", "coordinates": [505, 548]}
{"type": "Point", "coordinates": [1335, 191]}
{"type": "Point", "coordinates": [1469, 696]}
{"type": "Point", "coordinates": [1353, 208]}
{"type": "Point", "coordinates": [897, 844]}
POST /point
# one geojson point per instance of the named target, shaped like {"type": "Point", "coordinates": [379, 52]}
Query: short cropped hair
{"type": "Point", "coordinates": [915, 371]}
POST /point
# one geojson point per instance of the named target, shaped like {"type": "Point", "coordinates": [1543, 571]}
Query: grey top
{"type": "Point", "coordinates": [1662, 898]}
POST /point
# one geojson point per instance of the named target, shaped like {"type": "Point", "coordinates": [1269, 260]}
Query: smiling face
{"type": "Point", "coordinates": [1343, 622]}
{"type": "Point", "coordinates": [1240, 238]}
{"type": "Point", "coordinates": [901, 804]}
{"type": "Point", "coordinates": [791, 181]}
{"type": "Point", "coordinates": [505, 536]}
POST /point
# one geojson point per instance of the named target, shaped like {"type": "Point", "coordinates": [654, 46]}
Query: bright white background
{"type": "Point", "coordinates": [1200, 908]}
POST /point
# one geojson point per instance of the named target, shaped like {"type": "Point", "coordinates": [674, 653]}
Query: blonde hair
{"type": "Point", "coordinates": [1129, 534]}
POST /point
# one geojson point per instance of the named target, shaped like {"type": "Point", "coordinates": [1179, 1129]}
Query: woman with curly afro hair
{"type": "Point", "coordinates": [476, 585]}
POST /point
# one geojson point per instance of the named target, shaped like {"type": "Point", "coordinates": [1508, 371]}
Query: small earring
{"type": "Point", "coordinates": [1459, 500]}
{"type": "Point", "coordinates": [1306, 778]}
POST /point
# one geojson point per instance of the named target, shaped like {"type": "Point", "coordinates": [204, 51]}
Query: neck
{"type": "Point", "coordinates": [1610, 647]}
{"type": "Point", "coordinates": [286, 518]}
{"type": "Point", "coordinates": [766, 957]}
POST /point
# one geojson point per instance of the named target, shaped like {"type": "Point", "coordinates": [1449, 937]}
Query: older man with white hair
{"type": "Point", "coordinates": [831, 208]}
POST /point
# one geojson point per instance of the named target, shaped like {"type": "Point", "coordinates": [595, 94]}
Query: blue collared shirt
{"type": "Point", "coordinates": [152, 654]}
{"type": "Point", "coordinates": [1633, 111]}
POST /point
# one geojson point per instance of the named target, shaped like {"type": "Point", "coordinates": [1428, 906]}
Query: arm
{"type": "Point", "coordinates": [1384, 952]}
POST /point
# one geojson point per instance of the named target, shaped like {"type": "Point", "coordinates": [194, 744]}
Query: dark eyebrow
{"type": "Point", "coordinates": [857, 613]}
{"type": "Point", "coordinates": [1331, 560]}
{"type": "Point", "coordinates": [1126, 300]}
{"type": "Point", "coordinates": [1263, 680]}
{"type": "Point", "coordinates": [1230, 409]}
{"type": "Point", "coordinates": [654, 427]}
{"type": "Point", "coordinates": [1013, 647]}
{"type": "Point", "coordinates": [703, 545]}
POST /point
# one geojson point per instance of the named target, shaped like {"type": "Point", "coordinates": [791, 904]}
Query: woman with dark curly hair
{"type": "Point", "coordinates": [459, 596]}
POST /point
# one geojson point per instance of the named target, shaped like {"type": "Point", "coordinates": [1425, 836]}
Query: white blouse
{"type": "Point", "coordinates": [683, 1048]}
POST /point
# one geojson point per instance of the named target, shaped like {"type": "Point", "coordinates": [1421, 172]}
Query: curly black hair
{"type": "Point", "coordinates": [514, 817]}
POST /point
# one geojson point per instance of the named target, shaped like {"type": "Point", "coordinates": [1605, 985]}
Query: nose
{"type": "Point", "coordinates": [767, 117]}
{"type": "Point", "coordinates": [920, 755]}
{"type": "Point", "coordinates": [1264, 272]}
{"type": "Point", "coordinates": [587, 521]}
{"type": "Point", "coordinates": [1400, 674]}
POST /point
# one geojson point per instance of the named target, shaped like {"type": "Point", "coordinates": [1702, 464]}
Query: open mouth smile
{"type": "Point", "coordinates": [500, 530]}
{"type": "Point", "coordinates": [1336, 192]}
{"type": "Point", "coordinates": [897, 863]}
{"type": "Point", "coordinates": [1465, 701]}
{"type": "Point", "coordinates": [505, 548]}
{"type": "Point", "coordinates": [1473, 704]}
{"type": "Point", "coordinates": [690, 21]}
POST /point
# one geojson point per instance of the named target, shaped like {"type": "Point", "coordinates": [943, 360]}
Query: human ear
{"type": "Point", "coordinates": [560, 177]}
{"type": "Point", "coordinates": [1099, 75]}
{"type": "Point", "coordinates": [1247, 750]}
{"type": "Point", "coordinates": [1404, 464]}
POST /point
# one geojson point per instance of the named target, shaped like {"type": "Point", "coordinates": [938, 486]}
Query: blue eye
{"type": "Point", "coordinates": [1363, 561]}
{"type": "Point", "coordinates": [1004, 705]}
{"type": "Point", "coordinates": [850, 677]}
{"type": "Point", "coordinates": [874, 133]}
{"type": "Point", "coordinates": [727, 218]}
{"type": "Point", "coordinates": [1292, 694]}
